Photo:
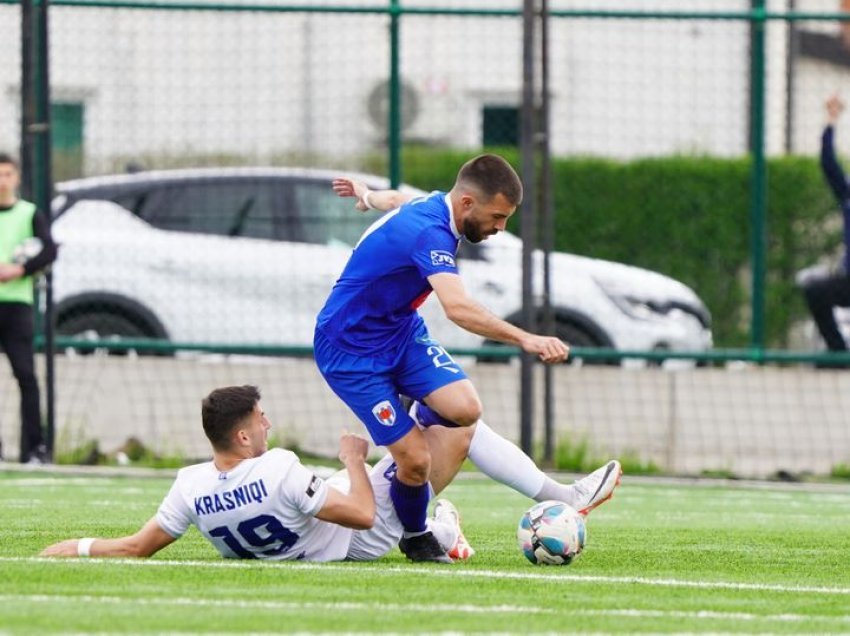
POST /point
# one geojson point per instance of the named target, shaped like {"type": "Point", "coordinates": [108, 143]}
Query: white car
{"type": "Point", "coordinates": [248, 257]}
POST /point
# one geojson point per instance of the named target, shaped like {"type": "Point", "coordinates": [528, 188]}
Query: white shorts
{"type": "Point", "coordinates": [368, 545]}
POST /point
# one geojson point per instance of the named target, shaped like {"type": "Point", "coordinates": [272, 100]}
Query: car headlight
{"type": "Point", "coordinates": [634, 307]}
{"type": "Point", "coordinates": [642, 308]}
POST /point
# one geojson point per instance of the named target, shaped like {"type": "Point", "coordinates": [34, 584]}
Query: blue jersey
{"type": "Point", "coordinates": [372, 307]}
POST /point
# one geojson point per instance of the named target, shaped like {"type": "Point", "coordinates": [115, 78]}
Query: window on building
{"type": "Point", "coordinates": [500, 125]}
{"type": "Point", "coordinates": [67, 119]}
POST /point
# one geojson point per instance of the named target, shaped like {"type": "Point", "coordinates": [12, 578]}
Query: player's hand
{"type": "Point", "coordinates": [352, 448]}
{"type": "Point", "coordinates": [834, 108]}
{"type": "Point", "coordinates": [350, 188]}
{"type": "Point", "coordinates": [549, 349]}
{"type": "Point", "coordinates": [10, 271]}
{"type": "Point", "coordinates": [66, 548]}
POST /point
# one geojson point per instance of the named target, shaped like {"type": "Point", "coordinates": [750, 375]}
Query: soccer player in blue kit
{"type": "Point", "coordinates": [371, 344]}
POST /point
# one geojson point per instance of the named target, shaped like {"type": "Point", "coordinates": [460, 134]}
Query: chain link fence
{"type": "Point", "coordinates": [193, 147]}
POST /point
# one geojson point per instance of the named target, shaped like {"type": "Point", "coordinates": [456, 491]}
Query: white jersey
{"type": "Point", "coordinates": [264, 508]}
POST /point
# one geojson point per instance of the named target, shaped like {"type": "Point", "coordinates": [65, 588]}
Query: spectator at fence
{"type": "Point", "coordinates": [26, 247]}
{"type": "Point", "coordinates": [823, 293]}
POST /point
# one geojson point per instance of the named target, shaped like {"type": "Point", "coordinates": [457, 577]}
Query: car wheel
{"type": "Point", "coordinates": [577, 337]}
{"type": "Point", "coordinates": [91, 325]}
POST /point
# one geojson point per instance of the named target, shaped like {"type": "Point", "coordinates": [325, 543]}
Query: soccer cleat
{"type": "Point", "coordinates": [597, 487]}
{"type": "Point", "coordinates": [423, 547]}
{"type": "Point", "coordinates": [446, 512]}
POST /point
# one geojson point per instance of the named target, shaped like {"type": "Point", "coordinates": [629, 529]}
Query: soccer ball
{"type": "Point", "coordinates": [26, 250]}
{"type": "Point", "coordinates": [551, 533]}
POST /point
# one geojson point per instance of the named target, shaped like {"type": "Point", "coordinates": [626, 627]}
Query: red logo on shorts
{"type": "Point", "coordinates": [384, 413]}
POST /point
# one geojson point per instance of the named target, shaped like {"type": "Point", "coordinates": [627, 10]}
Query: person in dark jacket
{"type": "Point", "coordinates": [22, 256]}
{"type": "Point", "coordinates": [825, 293]}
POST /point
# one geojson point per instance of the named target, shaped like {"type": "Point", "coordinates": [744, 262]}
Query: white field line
{"type": "Point", "coordinates": [274, 605]}
{"type": "Point", "coordinates": [52, 471]}
{"type": "Point", "coordinates": [413, 607]}
{"type": "Point", "coordinates": [708, 614]}
{"type": "Point", "coordinates": [454, 572]}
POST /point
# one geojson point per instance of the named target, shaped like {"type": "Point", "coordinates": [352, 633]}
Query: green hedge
{"type": "Point", "coordinates": [687, 217]}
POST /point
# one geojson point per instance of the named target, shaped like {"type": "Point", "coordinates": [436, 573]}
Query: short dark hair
{"type": "Point", "coordinates": [223, 409]}
{"type": "Point", "coordinates": [491, 175]}
{"type": "Point", "coordinates": [7, 158]}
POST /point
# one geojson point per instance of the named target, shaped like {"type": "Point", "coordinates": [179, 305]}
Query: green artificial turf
{"type": "Point", "coordinates": [659, 558]}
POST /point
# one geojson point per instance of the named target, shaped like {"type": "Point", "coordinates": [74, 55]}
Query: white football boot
{"type": "Point", "coordinates": [597, 487]}
{"type": "Point", "coordinates": [445, 512]}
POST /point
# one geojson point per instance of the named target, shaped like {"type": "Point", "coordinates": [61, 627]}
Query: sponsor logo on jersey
{"type": "Point", "coordinates": [384, 413]}
{"type": "Point", "coordinates": [314, 486]}
{"type": "Point", "coordinates": [442, 258]}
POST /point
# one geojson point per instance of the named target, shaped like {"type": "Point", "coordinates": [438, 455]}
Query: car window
{"type": "Point", "coordinates": [226, 208]}
{"type": "Point", "coordinates": [125, 198]}
{"type": "Point", "coordinates": [325, 218]}
{"type": "Point", "coordinates": [129, 200]}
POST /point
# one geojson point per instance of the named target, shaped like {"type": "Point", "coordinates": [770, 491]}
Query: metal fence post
{"type": "Point", "coordinates": [394, 110]}
{"type": "Point", "coordinates": [758, 217]}
{"type": "Point", "coordinates": [528, 222]}
{"type": "Point", "coordinates": [547, 233]}
{"type": "Point", "coordinates": [36, 161]}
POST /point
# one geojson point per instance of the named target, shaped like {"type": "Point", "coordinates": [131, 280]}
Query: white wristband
{"type": "Point", "coordinates": [365, 200]}
{"type": "Point", "coordinates": [84, 547]}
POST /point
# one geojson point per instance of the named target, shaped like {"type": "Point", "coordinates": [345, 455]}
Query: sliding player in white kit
{"type": "Point", "coordinates": [255, 503]}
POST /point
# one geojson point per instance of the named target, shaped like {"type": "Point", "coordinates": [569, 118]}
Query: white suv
{"type": "Point", "coordinates": [248, 256]}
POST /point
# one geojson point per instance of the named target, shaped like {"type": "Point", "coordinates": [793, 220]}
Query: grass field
{"type": "Point", "coordinates": [660, 558]}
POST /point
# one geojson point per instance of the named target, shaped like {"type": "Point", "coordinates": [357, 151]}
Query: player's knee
{"type": "Point", "coordinates": [468, 412]}
{"type": "Point", "coordinates": [414, 467]}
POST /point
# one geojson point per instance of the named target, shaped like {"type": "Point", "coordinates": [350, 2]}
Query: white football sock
{"type": "Point", "coordinates": [503, 461]}
{"type": "Point", "coordinates": [560, 492]}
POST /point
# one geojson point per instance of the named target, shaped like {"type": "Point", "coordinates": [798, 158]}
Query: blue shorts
{"type": "Point", "coordinates": [370, 386]}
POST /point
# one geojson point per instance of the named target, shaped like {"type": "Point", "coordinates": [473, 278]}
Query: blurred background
{"type": "Point", "coordinates": [186, 169]}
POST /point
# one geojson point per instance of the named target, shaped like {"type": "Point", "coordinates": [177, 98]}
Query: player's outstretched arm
{"type": "Point", "coordinates": [830, 165]}
{"type": "Point", "coordinates": [146, 542]}
{"type": "Point", "coordinates": [357, 508]}
{"type": "Point", "coordinates": [470, 315]}
{"type": "Point", "coordinates": [834, 108]}
{"type": "Point", "coordinates": [381, 200]}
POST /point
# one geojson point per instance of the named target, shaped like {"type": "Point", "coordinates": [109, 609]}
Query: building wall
{"type": "Point", "coordinates": [749, 421]}
{"type": "Point", "coordinates": [237, 87]}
